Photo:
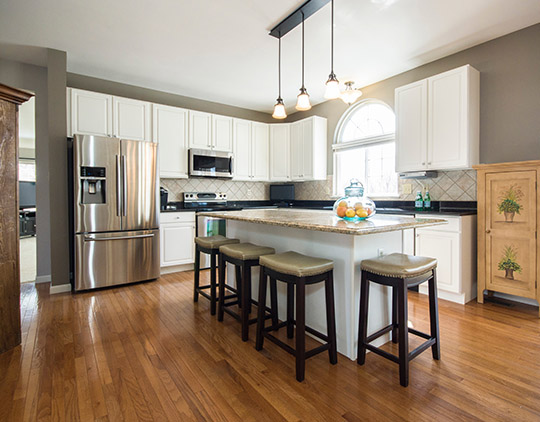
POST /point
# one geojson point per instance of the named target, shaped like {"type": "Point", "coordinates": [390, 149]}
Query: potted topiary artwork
{"type": "Point", "coordinates": [508, 262]}
{"type": "Point", "coordinates": [510, 203]}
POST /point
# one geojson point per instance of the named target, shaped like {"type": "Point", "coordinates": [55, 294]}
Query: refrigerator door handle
{"type": "Point", "coordinates": [124, 186]}
{"type": "Point", "coordinates": [95, 238]}
{"type": "Point", "coordinates": [118, 187]}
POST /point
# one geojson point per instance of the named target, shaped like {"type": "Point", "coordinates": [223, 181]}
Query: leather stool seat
{"type": "Point", "coordinates": [296, 264]}
{"type": "Point", "coordinates": [399, 265]}
{"type": "Point", "coordinates": [245, 251]}
{"type": "Point", "coordinates": [214, 242]}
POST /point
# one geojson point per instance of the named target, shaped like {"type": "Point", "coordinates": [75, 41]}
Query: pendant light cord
{"type": "Point", "coordinates": [303, 50]}
{"type": "Point", "coordinates": [279, 67]}
{"type": "Point", "coordinates": [332, 40]}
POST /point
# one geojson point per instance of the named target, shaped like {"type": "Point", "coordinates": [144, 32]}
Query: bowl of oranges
{"type": "Point", "coordinates": [354, 206]}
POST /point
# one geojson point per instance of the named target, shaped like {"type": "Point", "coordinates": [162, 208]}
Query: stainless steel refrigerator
{"type": "Point", "coordinates": [115, 211]}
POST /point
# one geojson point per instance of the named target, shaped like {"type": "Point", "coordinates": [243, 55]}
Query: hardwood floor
{"type": "Point", "coordinates": [147, 352]}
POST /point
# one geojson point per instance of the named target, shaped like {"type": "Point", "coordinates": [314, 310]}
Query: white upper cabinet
{"type": "Point", "coordinates": [200, 130]}
{"type": "Point", "coordinates": [170, 131]}
{"type": "Point", "coordinates": [280, 168]}
{"type": "Point", "coordinates": [438, 122]}
{"type": "Point", "coordinates": [91, 113]}
{"type": "Point", "coordinates": [242, 150]}
{"type": "Point", "coordinates": [131, 119]}
{"type": "Point", "coordinates": [259, 151]}
{"type": "Point", "coordinates": [297, 160]}
{"type": "Point", "coordinates": [222, 133]}
{"type": "Point", "coordinates": [308, 149]}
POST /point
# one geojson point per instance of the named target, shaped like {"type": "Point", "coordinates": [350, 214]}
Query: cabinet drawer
{"type": "Point", "coordinates": [454, 223]}
{"type": "Point", "coordinates": [177, 217]}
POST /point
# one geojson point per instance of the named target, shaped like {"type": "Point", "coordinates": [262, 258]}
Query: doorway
{"type": "Point", "coordinates": [27, 191]}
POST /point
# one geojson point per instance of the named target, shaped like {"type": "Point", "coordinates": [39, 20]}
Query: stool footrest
{"type": "Point", "coordinates": [292, 351]}
{"type": "Point", "coordinates": [419, 334]}
{"type": "Point", "coordinates": [379, 333]}
{"type": "Point", "coordinates": [206, 295]}
{"type": "Point", "coordinates": [382, 353]}
{"type": "Point", "coordinates": [421, 348]}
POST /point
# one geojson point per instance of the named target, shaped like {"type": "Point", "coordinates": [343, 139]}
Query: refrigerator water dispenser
{"type": "Point", "coordinates": [93, 185]}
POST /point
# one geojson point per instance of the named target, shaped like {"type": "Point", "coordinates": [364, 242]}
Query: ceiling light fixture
{"type": "Point", "coordinates": [303, 104]}
{"type": "Point", "coordinates": [350, 95]}
{"type": "Point", "coordinates": [279, 108]}
{"type": "Point", "coordinates": [332, 84]}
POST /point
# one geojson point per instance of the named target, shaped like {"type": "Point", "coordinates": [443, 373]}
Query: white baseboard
{"type": "Point", "coordinates": [176, 268]}
{"type": "Point", "coordinates": [43, 278]}
{"type": "Point", "coordinates": [61, 288]}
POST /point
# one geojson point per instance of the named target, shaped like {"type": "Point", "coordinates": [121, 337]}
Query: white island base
{"type": "Point", "coordinates": [347, 251]}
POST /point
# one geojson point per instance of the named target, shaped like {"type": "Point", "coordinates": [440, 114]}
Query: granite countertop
{"type": "Point", "coordinates": [324, 220]}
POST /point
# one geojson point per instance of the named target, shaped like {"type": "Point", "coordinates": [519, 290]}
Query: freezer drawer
{"type": "Point", "coordinates": [108, 259]}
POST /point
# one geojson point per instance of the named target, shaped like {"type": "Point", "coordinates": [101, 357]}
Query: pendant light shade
{"type": "Point", "coordinates": [332, 84]}
{"type": "Point", "coordinates": [279, 108]}
{"type": "Point", "coordinates": [302, 103]}
{"type": "Point", "coordinates": [350, 95]}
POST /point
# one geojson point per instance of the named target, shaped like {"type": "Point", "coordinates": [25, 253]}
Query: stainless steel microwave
{"type": "Point", "coordinates": [210, 163]}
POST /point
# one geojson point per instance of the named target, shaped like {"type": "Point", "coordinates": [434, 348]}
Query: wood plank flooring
{"type": "Point", "coordinates": [146, 352]}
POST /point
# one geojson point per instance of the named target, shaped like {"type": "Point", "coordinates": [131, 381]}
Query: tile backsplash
{"type": "Point", "coordinates": [459, 185]}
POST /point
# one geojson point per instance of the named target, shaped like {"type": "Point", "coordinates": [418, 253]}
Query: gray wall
{"type": "Point", "coordinates": [160, 97]}
{"type": "Point", "coordinates": [34, 78]}
{"type": "Point", "coordinates": [509, 95]}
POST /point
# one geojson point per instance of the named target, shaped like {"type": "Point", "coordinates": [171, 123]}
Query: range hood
{"type": "Point", "coordinates": [428, 174]}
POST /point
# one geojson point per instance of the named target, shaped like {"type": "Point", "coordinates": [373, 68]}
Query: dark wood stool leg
{"type": "Point", "coordinates": [395, 328]}
{"type": "Point", "coordinates": [213, 296]}
{"type": "Point", "coordinates": [362, 323]}
{"type": "Point", "coordinates": [290, 310]}
{"type": "Point", "coordinates": [260, 310]}
{"type": "Point", "coordinates": [238, 274]}
{"type": "Point", "coordinates": [403, 334]}
{"type": "Point", "coordinates": [273, 303]}
{"type": "Point", "coordinates": [244, 312]}
{"type": "Point", "coordinates": [434, 315]}
{"type": "Point", "coordinates": [249, 297]}
{"type": "Point", "coordinates": [331, 317]}
{"type": "Point", "coordinates": [300, 329]}
{"type": "Point", "coordinates": [221, 304]}
{"type": "Point", "coordinates": [197, 269]}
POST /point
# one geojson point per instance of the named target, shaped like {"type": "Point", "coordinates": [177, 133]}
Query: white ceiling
{"type": "Point", "coordinates": [220, 50]}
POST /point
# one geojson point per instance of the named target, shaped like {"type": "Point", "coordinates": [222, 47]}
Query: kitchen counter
{"type": "Point", "coordinates": [324, 220]}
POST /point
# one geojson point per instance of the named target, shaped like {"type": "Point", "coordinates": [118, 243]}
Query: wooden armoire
{"type": "Point", "coordinates": [10, 320]}
{"type": "Point", "coordinates": [508, 218]}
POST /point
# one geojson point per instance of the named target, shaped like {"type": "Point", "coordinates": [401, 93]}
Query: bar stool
{"type": "Point", "coordinates": [244, 256]}
{"type": "Point", "coordinates": [298, 270]}
{"type": "Point", "coordinates": [399, 271]}
{"type": "Point", "coordinates": [208, 245]}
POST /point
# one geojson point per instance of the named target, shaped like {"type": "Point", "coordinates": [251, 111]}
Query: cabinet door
{"type": "Point", "coordinates": [411, 126]}
{"type": "Point", "coordinates": [280, 152]}
{"type": "Point", "coordinates": [200, 130]}
{"type": "Point", "coordinates": [177, 245]}
{"type": "Point", "coordinates": [222, 133]}
{"type": "Point", "coordinates": [448, 123]}
{"type": "Point", "coordinates": [259, 151]}
{"type": "Point", "coordinates": [170, 132]}
{"type": "Point", "coordinates": [511, 226]}
{"type": "Point", "coordinates": [131, 119]}
{"type": "Point", "coordinates": [307, 149]}
{"type": "Point", "coordinates": [242, 150]}
{"type": "Point", "coordinates": [445, 247]}
{"type": "Point", "coordinates": [91, 113]}
{"type": "Point", "coordinates": [297, 150]}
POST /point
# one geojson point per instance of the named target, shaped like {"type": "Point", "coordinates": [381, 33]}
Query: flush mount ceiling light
{"type": "Point", "coordinates": [279, 108]}
{"type": "Point", "coordinates": [332, 84]}
{"type": "Point", "coordinates": [350, 95]}
{"type": "Point", "coordinates": [303, 104]}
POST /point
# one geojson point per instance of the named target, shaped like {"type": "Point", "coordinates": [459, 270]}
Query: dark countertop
{"type": "Point", "coordinates": [449, 208]}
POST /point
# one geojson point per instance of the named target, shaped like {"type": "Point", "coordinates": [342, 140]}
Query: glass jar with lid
{"type": "Point", "coordinates": [354, 206]}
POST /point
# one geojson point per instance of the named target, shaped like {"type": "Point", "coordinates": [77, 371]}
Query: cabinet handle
{"type": "Point", "coordinates": [429, 163]}
{"type": "Point", "coordinates": [423, 163]}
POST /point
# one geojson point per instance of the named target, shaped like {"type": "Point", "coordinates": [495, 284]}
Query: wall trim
{"type": "Point", "coordinates": [61, 288]}
{"type": "Point", "coordinates": [176, 269]}
{"type": "Point", "coordinates": [43, 278]}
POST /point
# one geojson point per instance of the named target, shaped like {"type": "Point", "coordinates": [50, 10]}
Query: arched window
{"type": "Point", "coordinates": [364, 149]}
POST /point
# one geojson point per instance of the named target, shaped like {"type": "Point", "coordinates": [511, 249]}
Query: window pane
{"type": "Point", "coordinates": [370, 119]}
{"type": "Point", "coordinates": [27, 171]}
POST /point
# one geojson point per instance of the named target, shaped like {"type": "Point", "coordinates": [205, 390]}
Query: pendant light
{"type": "Point", "coordinates": [303, 104]}
{"type": "Point", "coordinates": [350, 95]}
{"type": "Point", "coordinates": [279, 108]}
{"type": "Point", "coordinates": [332, 84]}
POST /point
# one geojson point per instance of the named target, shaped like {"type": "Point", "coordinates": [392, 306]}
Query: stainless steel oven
{"type": "Point", "coordinates": [210, 163]}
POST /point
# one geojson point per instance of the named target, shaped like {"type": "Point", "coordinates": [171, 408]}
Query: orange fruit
{"type": "Point", "coordinates": [340, 211]}
{"type": "Point", "coordinates": [362, 213]}
{"type": "Point", "coordinates": [369, 211]}
{"type": "Point", "coordinates": [350, 213]}
{"type": "Point", "coordinates": [343, 204]}
{"type": "Point", "coordinates": [358, 206]}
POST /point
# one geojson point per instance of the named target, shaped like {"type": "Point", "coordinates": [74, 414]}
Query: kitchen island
{"type": "Point", "coordinates": [321, 234]}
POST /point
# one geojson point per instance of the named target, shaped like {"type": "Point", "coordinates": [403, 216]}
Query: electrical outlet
{"type": "Point", "coordinates": [380, 252]}
{"type": "Point", "coordinates": [407, 188]}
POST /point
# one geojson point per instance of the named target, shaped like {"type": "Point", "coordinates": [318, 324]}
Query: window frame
{"type": "Point", "coordinates": [339, 146]}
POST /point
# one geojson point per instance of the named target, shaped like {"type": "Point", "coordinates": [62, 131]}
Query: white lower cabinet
{"type": "Point", "coordinates": [454, 247]}
{"type": "Point", "coordinates": [177, 234]}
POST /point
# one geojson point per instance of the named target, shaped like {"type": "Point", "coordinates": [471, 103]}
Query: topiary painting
{"type": "Point", "coordinates": [510, 203]}
{"type": "Point", "coordinates": [508, 262]}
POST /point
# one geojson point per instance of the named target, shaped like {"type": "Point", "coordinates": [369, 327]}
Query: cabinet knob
{"type": "Point", "coordinates": [488, 231]}
{"type": "Point", "coordinates": [429, 163]}
{"type": "Point", "coordinates": [423, 163]}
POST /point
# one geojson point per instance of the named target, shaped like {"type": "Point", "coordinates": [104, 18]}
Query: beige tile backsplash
{"type": "Point", "coordinates": [457, 185]}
